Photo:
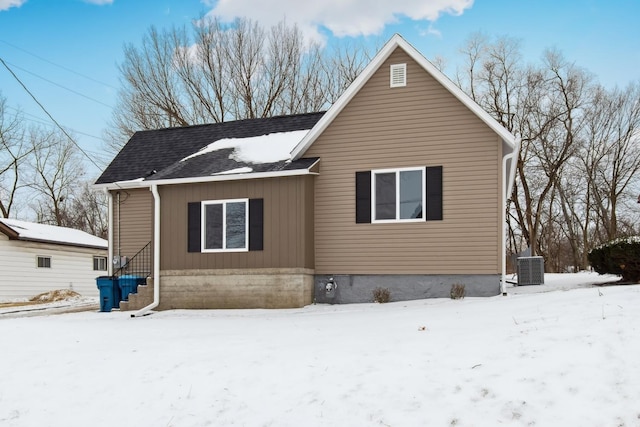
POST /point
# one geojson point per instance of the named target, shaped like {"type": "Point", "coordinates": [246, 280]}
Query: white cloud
{"type": "Point", "coordinates": [431, 31]}
{"type": "Point", "coordinates": [8, 4]}
{"type": "Point", "coordinates": [340, 17]}
{"type": "Point", "coordinates": [99, 2]}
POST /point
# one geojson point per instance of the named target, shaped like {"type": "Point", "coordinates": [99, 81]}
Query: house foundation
{"type": "Point", "coordinates": [357, 288]}
{"type": "Point", "coordinates": [236, 288]}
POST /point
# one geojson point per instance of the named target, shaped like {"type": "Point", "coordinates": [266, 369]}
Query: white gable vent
{"type": "Point", "coordinates": [398, 75]}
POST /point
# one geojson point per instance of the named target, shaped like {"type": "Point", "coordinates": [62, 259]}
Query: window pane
{"type": "Point", "coordinates": [386, 195]}
{"type": "Point", "coordinates": [99, 263]}
{"type": "Point", "coordinates": [236, 225]}
{"type": "Point", "coordinates": [213, 227]}
{"type": "Point", "coordinates": [411, 194]}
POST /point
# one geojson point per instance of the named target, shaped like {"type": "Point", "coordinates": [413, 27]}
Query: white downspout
{"type": "Point", "coordinates": [506, 190]}
{"type": "Point", "coordinates": [156, 254]}
{"type": "Point", "coordinates": [109, 232]}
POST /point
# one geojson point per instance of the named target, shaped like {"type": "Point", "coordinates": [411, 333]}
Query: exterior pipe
{"type": "Point", "coordinates": [119, 233]}
{"type": "Point", "coordinates": [506, 190]}
{"type": "Point", "coordinates": [156, 255]}
{"type": "Point", "coordinates": [109, 232]}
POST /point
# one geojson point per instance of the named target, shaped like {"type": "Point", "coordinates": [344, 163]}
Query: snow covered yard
{"type": "Point", "coordinates": [546, 359]}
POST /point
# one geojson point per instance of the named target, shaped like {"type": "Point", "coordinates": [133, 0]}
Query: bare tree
{"type": "Point", "coordinates": [545, 105]}
{"type": "Point", "coordinates": [218, 72]}
{"type": "Point", "coordinates": [87, 211]}
{"type": "Point", "coordinates": [612, 153]}
{"type": "Point", "coordinates": [56, 172]}
{"type": "Point", "coordinates": [14, 153]}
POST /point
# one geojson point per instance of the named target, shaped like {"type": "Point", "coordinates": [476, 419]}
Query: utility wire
{"type": "Point", "coordinates": [61, 86]}
{"type": "Point", "coordinates": [58, 65]}
{"type": "Point", "coordinates": [43, 121]}
{"type": "Point", "coordinates": [49, 115]}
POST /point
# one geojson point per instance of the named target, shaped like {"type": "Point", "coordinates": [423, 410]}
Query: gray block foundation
{"type": "Point", "coordinates": [359, 288]}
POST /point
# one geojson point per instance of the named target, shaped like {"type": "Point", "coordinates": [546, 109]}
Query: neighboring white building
{"type": "Point", "coordinates": [36, 258]}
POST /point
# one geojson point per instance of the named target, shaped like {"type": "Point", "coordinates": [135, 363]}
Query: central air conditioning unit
{"type": "Point", "coordinates": [531, 271]}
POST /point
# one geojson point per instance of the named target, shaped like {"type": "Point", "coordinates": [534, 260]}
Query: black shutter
{"type": "Point", "coordinates": [363, 197]}
{"type": "Point", "coordinates": [434, 193]}
{"type": "Point", "coordinates": [256, 224]}
{"type": "Point", "coordinates": [194, 217]}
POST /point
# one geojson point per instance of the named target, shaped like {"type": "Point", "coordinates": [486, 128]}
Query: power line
{"type": "Point", "coordinates": [43, 121]}
{"type": "Point", "coordinates": [49, 115]}
{"type": "Point", "coordinates": [59, 85]}
{"type": "Point", "coordinates": [58, 65]}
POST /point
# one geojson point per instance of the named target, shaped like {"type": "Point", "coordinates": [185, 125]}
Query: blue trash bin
{"type": "Point", "coordinates": [117, 296]}
{"type": "Point", "coordinates": [128, 285]}
{"type": "Point", "coordinates": [108, 296]}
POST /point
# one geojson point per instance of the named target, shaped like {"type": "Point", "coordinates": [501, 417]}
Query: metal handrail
{"type": "Point", "coordinates": [138, 265]}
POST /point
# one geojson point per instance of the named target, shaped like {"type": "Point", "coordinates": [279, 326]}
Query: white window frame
{"type": "Point", "coordinates": [203, 225]}
{"type": "Point", "coordinates": [43, 257]}
{"type": "Point", "coordinates": [102, 262]}
{"type": "Point", "coordinates": [397, 171]}
{"type": "Point", "coordinates": [398, 68]}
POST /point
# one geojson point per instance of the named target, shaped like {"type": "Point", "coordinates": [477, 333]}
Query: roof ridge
{"type": "Point", "coordinates": [230, 122]}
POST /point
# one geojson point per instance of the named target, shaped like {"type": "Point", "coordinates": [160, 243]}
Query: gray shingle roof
{"type": "Point", "coordinates": [157, 154]}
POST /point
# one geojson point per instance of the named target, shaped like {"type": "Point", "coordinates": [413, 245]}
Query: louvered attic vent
{"type": "Point", "coordinates": [398, 75]}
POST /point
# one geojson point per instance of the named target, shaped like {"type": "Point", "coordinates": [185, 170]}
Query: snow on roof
{"type": "Point", "coordinates": [269, 148]}
{"type": "Point", "coordinates": [53, 234]}
{"type": "Point", "coordinates": [244, 169]}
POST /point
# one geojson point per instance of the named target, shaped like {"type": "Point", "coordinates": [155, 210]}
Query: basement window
{"type": "Point", "coordinates": [398, 75]}
{"type": "Point", "coordinates": [43, 261]}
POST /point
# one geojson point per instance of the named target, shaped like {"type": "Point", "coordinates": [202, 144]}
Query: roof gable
{"type": "Point", "coordinates": [394, 43]}
{"type": "Point", "coordinates": [30, 231]}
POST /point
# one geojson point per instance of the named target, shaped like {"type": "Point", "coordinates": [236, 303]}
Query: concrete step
{"type": "Point", "coordinates": [141, 299]}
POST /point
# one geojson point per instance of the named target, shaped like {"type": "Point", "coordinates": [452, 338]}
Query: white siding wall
{"type": "Point", "coordinates": [71, 268]}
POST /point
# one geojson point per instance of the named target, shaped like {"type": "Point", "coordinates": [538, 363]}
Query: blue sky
{"type": "Point", "coordinates": [45, 41]}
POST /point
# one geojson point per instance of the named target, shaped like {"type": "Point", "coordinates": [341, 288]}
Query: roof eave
{"type": "Point", "coordinates": [210, 178]}
{"type": "Point", "coordinates": [8, 231]}
{"type": "Point", "coordinates": [59, 243]}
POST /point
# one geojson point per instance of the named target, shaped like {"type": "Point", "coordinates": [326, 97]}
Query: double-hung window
{"type": "Point", "coordinates": [398, 194]}
{"type": "Point", "coordinates": [225, 225]}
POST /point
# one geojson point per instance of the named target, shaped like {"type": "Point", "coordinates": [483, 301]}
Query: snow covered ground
{"type": "Point", "coordinates": [556, 358]}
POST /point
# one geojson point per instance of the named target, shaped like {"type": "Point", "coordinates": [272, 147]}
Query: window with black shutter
{"type": "Point", "coordinates": [234, 225]}
{"type": "Point", "coordinates": [399, 195]}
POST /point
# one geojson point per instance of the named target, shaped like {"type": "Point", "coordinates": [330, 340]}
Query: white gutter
{"type": "Point", "coordinates": [139, 183]}
{"type": "Point", "coordinates": [110, 232]}
{"type": "Point", "coordinates": [506, 191]}
{"type": "Point", "coordinates": [156, 255]}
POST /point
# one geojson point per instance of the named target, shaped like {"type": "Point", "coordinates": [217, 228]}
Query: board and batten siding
{"type": "Point", "coordinates": [287, 224]}
{"type": "Point", "coordinates": [71, 268]}
{"type": "Point", "coordinates": [419, 125]}
{"type": "Point", "coordinates": [132, 220]}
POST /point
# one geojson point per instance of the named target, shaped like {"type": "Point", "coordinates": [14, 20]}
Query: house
{"type": "Point", "coordinates": [37, 258]}
{"type": "Point", "coordinates": [401, 184]}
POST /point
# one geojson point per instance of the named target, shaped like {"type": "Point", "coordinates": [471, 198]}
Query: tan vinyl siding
{"type": "Point", "coordinates": [419, 125]}
{"type": "Point", "coordinates": [132, 221]}
{"type": "Point", "coordinates": [288, 224]}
